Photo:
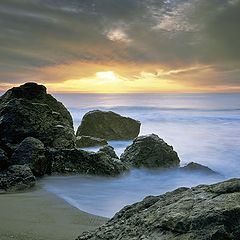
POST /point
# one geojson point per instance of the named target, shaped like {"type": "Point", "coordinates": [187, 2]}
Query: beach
{"type": "Point", "coordinates": [40, 215]}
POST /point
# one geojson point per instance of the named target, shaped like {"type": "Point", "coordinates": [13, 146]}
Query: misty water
{"type": "Point", "coordinates": [202, 128]}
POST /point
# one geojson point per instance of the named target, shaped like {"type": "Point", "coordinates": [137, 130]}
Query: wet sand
{"type": "Point", "coordinates": [40, 215]}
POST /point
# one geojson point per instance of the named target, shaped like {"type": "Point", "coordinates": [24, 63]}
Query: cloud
{"type": "Point", "coordinates": [118, 35]}
{"type": "Point", "coordinates": [38, 35]}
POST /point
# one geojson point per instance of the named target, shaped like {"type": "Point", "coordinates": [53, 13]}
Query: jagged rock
{"type": "Point", "coordinates": [88, 141]}
{"type": "Point", "coordinates": [28, 111]}
{"type": "Point", "coordinates": [31, 151]}
{"type": "Point", "coordinates": [37, 94]}
{"type": "Point", "coordinates": [150, 151]}
{"type": "Point", "coordinates": [16, 178]}
{"type": "Point", "coordinates": [4, 162]}
{"type": "Point", "coordinates": [193, 167]}
{"type": "Point", "coordinates": [199, 213]}
{"type": "Point", "coordinates": [109, 150]}
{"type": "Point", "coordinates": [108, 125]}
{"type": "Point", "coordinates": [84, 162]}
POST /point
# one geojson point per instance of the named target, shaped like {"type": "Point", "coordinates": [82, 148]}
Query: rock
{"type": "Point", "coordinates": [109, 150]}
{"type": "Point", "coordinates": [87, 141]}
{"type": "Point", "coordinates": [31, 151]}
{"type": "Point", "coordinates": [28, 111]}
{"type": "Point", "coordinates": [4, 162]}
{"type": "Point", "coordinates": [195, 167]}
{"type": "Point", "coordinates": [17, 178]}
{"type": "Point", "coordinates": [84, 162]}
{"type": "Point", "coordinates": [37, 94]}
{"type": "Point", "coordinates": [150, 151]}
{"type": "Point", "coordinates": [108, 125]}
{"type": "Point", "coordinates": [200, 213]}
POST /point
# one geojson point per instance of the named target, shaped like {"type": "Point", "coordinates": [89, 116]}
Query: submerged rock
{"type": "Point", "coordinates": [87, 141]}
{"type": "Point", "coordinates": [28, 111]}
{"type": "Point", "coordinates": [17, 178]}
{"type": "Point", "coordinates": [84, 162]}
{"type": "Point", "coordinates": [108, 125]}
{"type": "Point", "coordinates": [150, 151]}
{"type": "Point", "coordinates": [109, 150]}
{"type": "Point", "coordinates": [4, 162]}
{"type": "Point", "coordinates": [195, 167]}
{"type": "Point", "coordinates": [31, 151]}
{"type": "Point", "coordinates": [199, 213]}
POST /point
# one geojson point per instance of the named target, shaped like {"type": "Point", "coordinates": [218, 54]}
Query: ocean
{"type": "Point", "coordinates": [202, 128]}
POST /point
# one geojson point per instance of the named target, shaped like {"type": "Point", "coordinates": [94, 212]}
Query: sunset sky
{"type": "Point", "coordinates": [115, 46]}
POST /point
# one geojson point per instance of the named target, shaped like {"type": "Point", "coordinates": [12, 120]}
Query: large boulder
{"type": "Point", "coordinates": [150, 151]}
{"type": "Point", "coordinates": [108, 125]}
{"type": "Point", "coordinates": [28, 111]}
{"type": "Point", "coordinates": [84, 162]}
{"type": "Point", "coordinates": [31, 151]}
{"type": "Point", "coordinates": [4, 162]}
{"type": "Point", "coordinates": [87, 141]}
{"type": "Point", "coordinates": [16, 178]}
{"type": "Point", "coordinates": [200, 213]}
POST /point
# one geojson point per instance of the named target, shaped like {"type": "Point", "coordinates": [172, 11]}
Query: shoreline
{"type": "Point", "coordinates": [38, 215]}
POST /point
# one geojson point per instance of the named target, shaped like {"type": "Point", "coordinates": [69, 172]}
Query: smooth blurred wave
{"type": "Point", "coordinates": [202, 128]}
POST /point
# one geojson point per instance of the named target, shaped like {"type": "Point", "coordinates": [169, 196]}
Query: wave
{"type": "Point", "coordinates": [147, 108]}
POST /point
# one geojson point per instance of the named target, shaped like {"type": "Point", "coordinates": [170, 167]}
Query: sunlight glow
{"type": "Point", "coordinates": [106, 75]}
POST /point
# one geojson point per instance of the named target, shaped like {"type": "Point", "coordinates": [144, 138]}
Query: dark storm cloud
{"type": "Point", "coordinates": [176, 33]}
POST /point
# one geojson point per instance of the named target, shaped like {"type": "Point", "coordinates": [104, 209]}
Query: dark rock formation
{"type": "Point", "coordinates": [108, 125]}
{"type": "Point", "coordinates": [150, 151]}
{"type": "Point", "coordinates": [37, 94]}
{"type": "Point", "coordinates": [31, 151]}
{"type": "Point", "coordinates": [195, 167]}
{"type": "Point", "coordinates": [4, 162]}
{"type": "Point", "coordinates": [200, 213]}
{"type": "Point", "coordinates": [83, 162]}
{"type": "Point", "coordinates": [87, 141]}
{"type": "Point", "coordinates": [109, 150]}
{"type": "Point", "coordinates": [28, 111]}
{"type": "Point", "coordinates": [16, 178]}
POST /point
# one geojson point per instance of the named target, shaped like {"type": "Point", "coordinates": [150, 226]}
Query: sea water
{"type": "Point", "coordinates": [202, 128]}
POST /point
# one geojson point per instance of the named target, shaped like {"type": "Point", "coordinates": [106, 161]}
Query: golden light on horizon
{"type": "Point", "coordinates": [109, 75]}
{"type": "Point", "coordinates": [114, 77]}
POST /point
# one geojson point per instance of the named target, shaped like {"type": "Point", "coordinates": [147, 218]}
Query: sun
{"type": "Point", "coordinates": [109, 75]}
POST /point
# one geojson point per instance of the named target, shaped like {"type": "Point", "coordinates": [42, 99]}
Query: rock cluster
{"type": "Point", "coordinates": [37, 138]}
{"type": "Point", "coordinates": [199, 213]}
{"type": "Point", "coordinates": [84, 162]}
{"type": "Point", "coordinates": [108, 125]}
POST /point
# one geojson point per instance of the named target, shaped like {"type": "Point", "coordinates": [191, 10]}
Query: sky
{"type": "Point", "coordinates": [121, 46]}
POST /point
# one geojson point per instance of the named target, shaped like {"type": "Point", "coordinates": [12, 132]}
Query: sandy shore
{"type": "Point", "coordinates": [40, 215]}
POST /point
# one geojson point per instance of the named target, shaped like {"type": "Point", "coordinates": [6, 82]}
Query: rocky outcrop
{"type": "Point", "coordinates": [196, 167]}
{"type": "Point", "coordinates": [150, 151]}
{"type": "Point", "coordinates": [199, 213]}
{"type": "Point", "coordinates": [31, 151]}
{"type": "Point", "coordinates": [108, 125]}
{"type": "Point", "coordinates": [83, 162]}
{"type": "Point", "coordinates": [109, 150]}
{"type": "Point", "coordinates": [28, 111]}
{"type": "Point", "coordinates": [4, 162]}
{"type": "Point", "coordinates": [87, 141]}
{"type": "Point", "coordinates": [17, 178]}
